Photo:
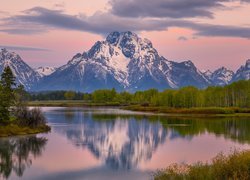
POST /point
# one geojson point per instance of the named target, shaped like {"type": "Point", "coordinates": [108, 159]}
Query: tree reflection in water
{"type": "Point", "coordinates": [123, 141]}
{"type": "Point", "coordinates": [16, 154]}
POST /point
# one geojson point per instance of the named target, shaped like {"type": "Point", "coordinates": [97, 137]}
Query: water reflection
{"type": "Point", "coordinates": [234, 128]}
{"type": "Point", "coordinates": [123, 141]}
{"type": "Point", "coordinates": [120, 143]}
{"type": "Point", "coordinates": [16, 154]}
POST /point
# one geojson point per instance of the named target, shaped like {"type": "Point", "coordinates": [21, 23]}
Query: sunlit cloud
{"type": "Point", "coordinates": [22, 48]}
{"type": "Point", "coordinates": [39, 20]}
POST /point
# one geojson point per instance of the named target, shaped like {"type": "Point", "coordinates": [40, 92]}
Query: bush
{"type": "Point", "coordinates": [233, 166]}
{"type": "Point", "coordinates": [30, 117]}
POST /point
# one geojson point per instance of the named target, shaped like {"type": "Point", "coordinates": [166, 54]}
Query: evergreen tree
{"type": "Point", "coordinates": [8, 79]}
{"type": "Point", "coordinates": [3, 107]}
{"type": "Point", "coordinates": [7, 93]}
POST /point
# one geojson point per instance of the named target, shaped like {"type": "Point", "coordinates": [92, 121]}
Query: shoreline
{"type": "Point", "coordinates": [176, 112]}
{"type": "Point", "coordinates": [73, 103]}
{"type": "Point", "coordinates": [15, 130]}
{"type": "Point", "coordinates": [194, 112]}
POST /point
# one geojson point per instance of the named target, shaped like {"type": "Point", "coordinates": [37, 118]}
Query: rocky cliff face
{"type": "Point", "coordinates": [123, 61]}
{"type": "Point", "coordinates": [24, 74]}
{"type": "Point", "coordinates": [126, 62]}
{"type": "Point", "coordinates": [243, 72]}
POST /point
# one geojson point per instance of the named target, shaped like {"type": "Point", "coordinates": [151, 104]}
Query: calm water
{"type": "Point", "coordinates": [116, 144]}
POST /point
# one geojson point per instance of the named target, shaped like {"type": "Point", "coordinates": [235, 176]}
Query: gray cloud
{"type": "Point", "coordinates": [168, 8]}
{"type": "Point", "coordinates": [40, 20]}
{"type": "Point", "coordinates": [22, 48]}
{"type": "Point", "coordinates": [182, 38]}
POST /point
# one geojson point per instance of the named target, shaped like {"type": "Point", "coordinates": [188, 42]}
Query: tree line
{"type": "Point", "coordinates": [236, 94]}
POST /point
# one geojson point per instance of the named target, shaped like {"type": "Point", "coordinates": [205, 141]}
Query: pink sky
{"type": "Point", "coordinates": [207, 52]}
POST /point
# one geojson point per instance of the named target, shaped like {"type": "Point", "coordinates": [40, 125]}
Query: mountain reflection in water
{"type": "Point", "coordinates": [106, 143]}
{"type": "Point", "coordinates": [122, 141]}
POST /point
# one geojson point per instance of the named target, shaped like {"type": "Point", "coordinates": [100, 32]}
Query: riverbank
{"type": "Point", "coordinates": [15, 130]}
{"type": "Point", "coordinates": [69, 103]}
{"type": "Point", "coordinates": [234, 111]}
{"type": "Point", "coordinates": [218, 111]}
{"type": "Point", "coordinates": [233, 166]}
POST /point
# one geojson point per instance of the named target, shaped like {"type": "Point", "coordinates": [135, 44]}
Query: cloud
{"type": "Point", "coordinates": [22, 48]}
{"type": "Point", "coordinates": [60, 5]}
{"type": "Point", "coordinates": [168, 8]}
{"type": "Point", "coordinates": [3, 12]}
{"type": "Point", "coordinates": [24, 31]}
{"type": "Point", "coordinates": [40, 20]}
{"type": "Point", "coordinates": [182, 38]}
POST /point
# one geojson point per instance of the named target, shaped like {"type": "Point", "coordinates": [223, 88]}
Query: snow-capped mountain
{"type": "Point", "coordinates": [243, 72]}
{"type": "Point", "coordinates": [221, 76]}
{"type": "Point", "coordinates": [126, 62]}
{"type": "Point", "coordinates": [24, 74]}
{"type": "Point", "coordinates": [123, 61]}
{"type": "Point", "coordinates": [207, 73]}
{"type": "Point", "coordinates": [45, 71]}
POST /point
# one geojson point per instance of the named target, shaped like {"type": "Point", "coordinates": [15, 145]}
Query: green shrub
{"type": "Point", "coordinates": [234, 166]}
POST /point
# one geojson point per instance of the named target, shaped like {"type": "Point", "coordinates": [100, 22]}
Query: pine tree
{"type": "Point", "coordinates": [7, 97]}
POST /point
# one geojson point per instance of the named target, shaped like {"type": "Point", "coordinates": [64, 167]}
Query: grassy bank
{"type": "Point", "coordinates": [14, 130]}
{"type": "Point", "coordinates": [191, 111]}
{"type": "Point", "coordinates": [70, 103]}
{"type": "Point", "coordinates": [154, 109]}
{"type": "Point", "coordinates": [233, 166]}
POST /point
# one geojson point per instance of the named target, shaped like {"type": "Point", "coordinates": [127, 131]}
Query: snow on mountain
{"type": "Point", "coordinates": [221, 76]}
{"type": "Point", "coordinates": [243, 72]}
{"type": "Point", "coordinates": [120, 144]}
{"type": "Point", "coordinates": [24, 74]}
{"type": "Point", "coordinates": [123, 61]}
{"type": "Point", "coordinates": [45, 71]}
{"type": "Point", "coordinates": [126, 62]}
{"type": "Point", "coordinates": [207, 73]}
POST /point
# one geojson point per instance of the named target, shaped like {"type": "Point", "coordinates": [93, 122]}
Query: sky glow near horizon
{"type": "Point", "coordinates": [211, 33]}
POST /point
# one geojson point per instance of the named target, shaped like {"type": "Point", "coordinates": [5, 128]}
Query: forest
{"type": "Point", "coordinates": [236, 94]}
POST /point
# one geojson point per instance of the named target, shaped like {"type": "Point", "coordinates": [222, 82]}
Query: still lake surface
{"type": "Point", "coordinates": [106, 143]}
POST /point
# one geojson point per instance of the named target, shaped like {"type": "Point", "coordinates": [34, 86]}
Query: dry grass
{"type": "Point", "coordinates": [234, 166]}
{"type": "Point", "coordinates": [14, 129]}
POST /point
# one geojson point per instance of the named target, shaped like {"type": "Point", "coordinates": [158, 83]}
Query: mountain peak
{"type": "Point", "coordinates": [113, 37]}
{"type": "Point", "coordinates": [25, 75]}
{"type": "Point", "coordinates": [4, 50]}
{"type": "Point", "coordinates": [223, 70]}
{"type": "Point", "coordinates": [188, 63]}
{"type": "Point", "coordinates": [123, 61]}
{"type": "Point", "coordinates": [243, 72]}
{"type": "Point", "coordinates": [9, 55]}
{"type": "Point", "coordinates": [222, 76]}
{"type": "Point", "coordinates": [248, 63]}
{"type": "Point", "coordinates": [45, 71]}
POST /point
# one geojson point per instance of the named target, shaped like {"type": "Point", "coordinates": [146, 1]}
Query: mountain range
{"type": "Point", "coordinates": [123, 61]}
